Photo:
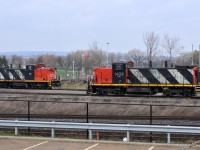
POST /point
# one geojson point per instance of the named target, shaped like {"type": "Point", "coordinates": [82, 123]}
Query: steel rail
{"type": "Point", "coordinates": [109, 117]}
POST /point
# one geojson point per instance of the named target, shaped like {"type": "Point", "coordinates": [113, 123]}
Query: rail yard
{"type": "Point", "coordinates": [76, 106]}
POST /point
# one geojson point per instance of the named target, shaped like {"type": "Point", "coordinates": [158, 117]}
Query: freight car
{"type": "Point", "coordinates": [124, 78]}
{"type": "Point", "coordinates": [35, 76]}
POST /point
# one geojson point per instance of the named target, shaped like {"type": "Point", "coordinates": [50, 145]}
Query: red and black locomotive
{"type": "Point", "coordinates": [124, 78]}
{"type": "Point", "coordinates": [32, 77]}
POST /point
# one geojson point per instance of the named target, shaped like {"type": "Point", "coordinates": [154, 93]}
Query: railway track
{"type": "Point", "coordinates": [155, 120]}
{"type": "Point", "coordinates": [82, 93]}
{"type": "Point", "coordinates": [99, 117]}
{"type": "Point", "coordinates": [81, 97]}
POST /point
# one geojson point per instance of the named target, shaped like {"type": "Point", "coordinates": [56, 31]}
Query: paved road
{"type": "Point", "coordinates": [58, 144]}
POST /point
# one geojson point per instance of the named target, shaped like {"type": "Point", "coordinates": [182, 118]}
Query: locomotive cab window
{"type": "Point", "coordinates": [119, 67]}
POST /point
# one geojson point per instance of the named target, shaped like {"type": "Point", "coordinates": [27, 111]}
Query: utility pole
{"type": "Point", "coordinates": [73, 68]}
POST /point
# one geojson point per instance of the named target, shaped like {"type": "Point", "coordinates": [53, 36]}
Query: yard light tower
{"type": "Point", "coordinates": [107, 54]}
{"type": "Point", "coordinates": [73, 69]}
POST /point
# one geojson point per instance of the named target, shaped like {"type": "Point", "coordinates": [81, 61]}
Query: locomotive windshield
{"type": "Point", "coordinates": [118, 66]}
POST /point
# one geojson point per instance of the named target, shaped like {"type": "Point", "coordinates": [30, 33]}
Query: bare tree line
{"type": "Point", "coordinates": [157, 49]}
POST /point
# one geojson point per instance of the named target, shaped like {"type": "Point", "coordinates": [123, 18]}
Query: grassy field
{"type": "Point", "coordinates": [66, 75]}
{"type": "Point", "coordinates": [73, 85]}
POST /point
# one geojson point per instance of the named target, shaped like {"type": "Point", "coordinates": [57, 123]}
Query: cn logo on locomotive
{"type": "Point", "coordinates": [52, 75]}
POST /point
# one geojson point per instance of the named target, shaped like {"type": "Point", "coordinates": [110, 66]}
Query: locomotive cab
{"type": "Point", "coordinates": [119, 73]}
{"type": "Point", "coordinates": [196, 79]}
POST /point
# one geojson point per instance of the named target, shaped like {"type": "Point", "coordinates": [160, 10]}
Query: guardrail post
{"type": "Point", "coordinates": [90, 133]}
{"type": "Point", "coordinates": [128, 135]}
{"type": "Point", "coordinates": [168, 137]}
{"type": "Point", "coordinates": [52, 132]}
{"type": "Point", "coordinates": [16, 130]}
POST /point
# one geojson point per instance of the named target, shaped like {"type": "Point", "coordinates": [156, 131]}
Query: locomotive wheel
{"type": "Point", "coordinates": [99, 92]}
{"type": "Point", "coordinates": [117, 93]}
{"type": "Point", "coordinates": [187, 94]}
{"type": "Point", "coordinates": [167, 94]}
{"type": "Point", "coordinates": [27, 86]}
{"type": "Point", "coordinates": [105, 93]}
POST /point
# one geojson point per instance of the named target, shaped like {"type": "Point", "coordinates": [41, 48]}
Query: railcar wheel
{"type": "Point", "coordinates": [105, 93]}
{"type": "Point", "coordinates": [27, 86]}
{"type": "Point", "coordinates": [167, 94]}
{"type": "Point", "coordinates": [187, 94]}
{"type": "Point", "coordinates": [117, 92]}
{"type": "Point", "coordinates": [99, 92]}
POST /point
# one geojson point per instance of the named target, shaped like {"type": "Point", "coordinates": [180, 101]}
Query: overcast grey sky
{"type": "Point", "coordinates": [68, 25]}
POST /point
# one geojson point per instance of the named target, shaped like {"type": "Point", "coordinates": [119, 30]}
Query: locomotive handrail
{"type": "Point", "coordinates": [98, 126]}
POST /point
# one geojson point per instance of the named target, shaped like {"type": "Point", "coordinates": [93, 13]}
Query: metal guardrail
{"type": "Point", "coordinates": [97, 126]}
